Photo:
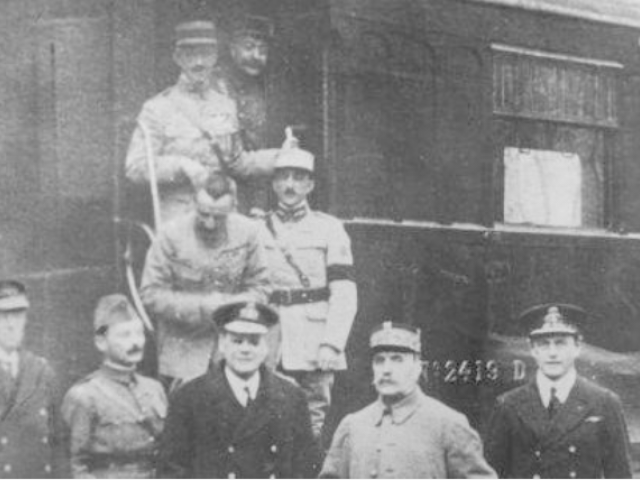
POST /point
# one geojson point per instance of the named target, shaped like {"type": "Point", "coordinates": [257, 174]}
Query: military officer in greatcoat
{"type": "Point", "coordinates": [559, 425]}
{"type": "Point", "coordinates": [404, 433]}
{"type": "Point", "coordinates": [205, 259]}
{"type": "Point", "coordinates": [115, 416]}
{"type": "Point", "coordinates": [311, 269]}
{"type": "Point", "coordinates": [239, 420]}
{"type": "Point", "coordinates": [191, 129]}
{"type": "Point", "coordinates": [244, 75]}
{"type": "Point", "coordinates": [30, 444]}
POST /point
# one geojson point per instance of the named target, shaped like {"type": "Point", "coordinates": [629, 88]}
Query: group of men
{"type": "Point", "coordinates": [242, 419]}
{"type": "Point", "coordinates": [252, 318]}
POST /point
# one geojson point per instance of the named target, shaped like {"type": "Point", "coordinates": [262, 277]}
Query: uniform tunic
{"type": "Point", "coordinates": [30, 444]}
{"type": "Point", "coordinates": [321, 248]}
{"type": "Point", "coordinates": [209, 434]}
{"type": "Point", "coordinates": [419, 438]}
{"type": "Point", "coordinates": [114, 419]}
{"type": "Point", "coordinates": [587, 437]}
{"type": "Point", "coordinates": [182, 274]}
{"type": "Point", "coordinates": [177, 120]}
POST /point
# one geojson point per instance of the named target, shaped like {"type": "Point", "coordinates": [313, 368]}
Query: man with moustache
{"type": "Point", "coordinates": [199, 262]}
{"type": "Point", "coordinates": [191, 129]}
{"type": "Point", "coordinates": [30, 443]}
{"type": "Point", "coordinates": [559, 425]}
{"type": "Point", "coordinates": [115, 415]}
{"type": "Point", "coordinates": [404, 434]}
{"type": "Point", "coordinates": [243, 75]}
{"type": "Point", "coordinates": [311, 269]}
{"type": "Point", "coordinates": [239, 420]}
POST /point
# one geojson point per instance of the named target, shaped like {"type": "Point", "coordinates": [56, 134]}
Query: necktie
{"type": "Point", "coordinates": [247, 392]}
{"type": "Point", "coordinates": [554, 403]}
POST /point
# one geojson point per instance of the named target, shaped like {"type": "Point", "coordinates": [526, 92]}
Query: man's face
{"type": "Point", "coordinates": [211, 214]}
{"type": "Point", "coordinates": [12, 325]}
{"type": "Point", "coordinates": [555, 354]}
{"type": "Point", "coordinates": [250, 54]}
{"type": "Point", "coordinates": [196, 61]}
{"type": "Point", "coordinates": [244, 352]}
{"type": "Point", "coordinates": [395, 374]}
{"type": "Point", "coordinates": [123, 343]}
{"type": "Point", "coordinates": [292, 185]}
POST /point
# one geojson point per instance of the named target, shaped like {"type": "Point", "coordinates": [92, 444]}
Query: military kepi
{"type": "Point", "coordinates": [200, 32]}
{"type": "Point", "coordinates": [245, 318]}
{"type": "Point", "coordinates": [255, 26]}
{"type": "Point", "coordinates": [553, 319]}
{"type": "Point", "coordinates": [13, 296]}
{"type": "Point", "coordinates": [112, 309]}
{"type": "Point", "coordinates": [397, 337]}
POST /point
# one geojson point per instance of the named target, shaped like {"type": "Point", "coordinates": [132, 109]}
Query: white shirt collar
{"type": "Point", "coordinates": [563, 386]}
{"type": "Point", "coordinates": [239, 385]}
{"type": "Point", "coordinates": [11, 359]}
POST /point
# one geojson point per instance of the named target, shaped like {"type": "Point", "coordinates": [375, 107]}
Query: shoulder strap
{"type": "Point", "coordinates": [287, 254]}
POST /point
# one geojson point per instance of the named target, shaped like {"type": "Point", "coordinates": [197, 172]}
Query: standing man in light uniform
{"type": "Point", "coordinates": [115, 415]}
{"type": "Point", "coordinates": [191, 128]}
{"type": "Point", "coordinates": [199, 262]}
{"type": "Point", "coordinates": [403, 434]}
{"type": "Point", "coordinates": [311, 266]}
{"type": "Point", "coordinates": [30, 441]}
{"type": "Point", "coordinates": [559, 425]}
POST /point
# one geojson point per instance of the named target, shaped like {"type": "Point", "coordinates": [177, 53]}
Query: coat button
{"type": "Point", "coordinates": [374, 474]}
{"type": "Point", "coordinates": [43, 412]}
{"type": "Point", "coordinates": [7, 468]}
{"type": "Point", "coordinates": [231, 449]}
{"type": "Point", "coordinates": [45, 440]}
{"type": "Point", "coordinates": [537, 453]}
{"type": "Point", "coordinates": [536, 476]}
{"type": "Point", "coordinates": [572, 474]}
{"type": "Point", "coordinates": [4, 440]}
{"type": "Point", "coordinates": [274, 448]}
{"type": "Point", "coordinates": [47, 468]}
{"type": "Point", "coordinates": [572, 449]}
{"type": "Point", "coordinates": [231, 475]}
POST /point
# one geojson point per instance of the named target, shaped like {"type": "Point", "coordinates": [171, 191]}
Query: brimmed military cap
{"type": "Point", "coordinates": [112, 309]}
{"type": "Point", "coordinates": [245, 317]}
{"type": "Point", "coordinates": [295, 158]}
{"type": "Point", "coordinates": [553, 319]}
{"type": "Point", "coordinates": [252, 25]}
{"type": "Point", "coordinates": [398, 337]}
{"type": "Point", "coordinates": [200, 32]}
{"type": "Point", "coordinates": [13, 296]}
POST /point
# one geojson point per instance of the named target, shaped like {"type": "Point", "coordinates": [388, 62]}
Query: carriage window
{"type": "Point", "coordinates": [553, 120]}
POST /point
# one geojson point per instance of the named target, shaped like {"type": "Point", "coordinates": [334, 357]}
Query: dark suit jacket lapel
{"type": "Point", "coordinates": [261, 412]}
{"type": "Point", "coordinates": [571, 413]}
{"type": "Point", "coordinates": [532, 412]}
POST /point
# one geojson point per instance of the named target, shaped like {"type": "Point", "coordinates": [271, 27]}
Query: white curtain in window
{"type": "Point", "coordinates": [542, 187]}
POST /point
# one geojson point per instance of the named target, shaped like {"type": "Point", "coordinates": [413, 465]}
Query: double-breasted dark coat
{"type": "Point", "coordinates": [209, 434]}
{"type": "Point", "coordinates": [587, 437]}
{"type": "Point", "coordinates": [30, 442]}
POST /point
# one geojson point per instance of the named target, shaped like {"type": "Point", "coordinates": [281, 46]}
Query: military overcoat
{"type": "Point", "coordinates": [587, 437]}
{"type": "Point", "coordinates": [209, 434]}
{"type": "Point", "coordinates": [30, 444]}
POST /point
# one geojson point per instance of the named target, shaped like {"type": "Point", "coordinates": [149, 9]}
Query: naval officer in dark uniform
{"type": "Point", "coordinates": [560, 425]}
{"type": "Point", "coordinates": [239, 420]}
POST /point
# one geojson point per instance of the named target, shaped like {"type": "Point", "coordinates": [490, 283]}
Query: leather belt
{"type": "Point", "coordinates": [298, 297]}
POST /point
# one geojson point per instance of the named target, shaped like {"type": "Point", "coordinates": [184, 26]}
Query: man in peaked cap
{"type": "Point", "coordinates": [404, 433]}
{"type": "Point", "coordinates": [311, 266]}
{"type": "Point", "coordinates": [115, 416]}
{"type": "Point", "coordinates": [191, 128]}
{"type": "Point", "coordinates": [559, 425]}
{"type": "Point", "coordinates": [239, 420]}
{"type": "Point", "coordinates": [30, 441]}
